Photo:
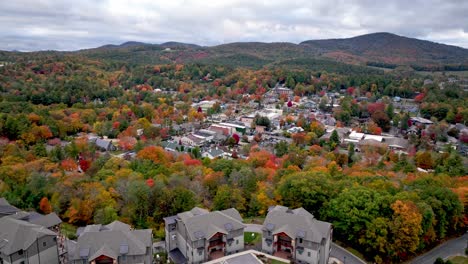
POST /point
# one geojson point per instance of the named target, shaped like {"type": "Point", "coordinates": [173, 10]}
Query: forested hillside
{"type": "Point", "coordinates": [378, 49]}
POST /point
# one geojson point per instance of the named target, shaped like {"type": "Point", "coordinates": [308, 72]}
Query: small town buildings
{"type": "Point", "coordinates": [296, 234]}
{"type": "Point", "coordinates": [239, 127]}
{"type": "Point", "coordinates": [213, 153]}
{"type": "Point", "coordinates": [112, 243]}
{"type": "Point", "coordinates": [204, 105]}
{"type": "Point", "coordinates": [191, 141]}
{"type": "Point", "coordinates": [198, 235]}
{"type": "Point", "coordinates": [102, 144]}
{"type": "Point", "coordinates": [295, 129]}
{"type": "Point", "coordinates": [421, 121]}
{"type": "Point", "coordinates": [23, 242]}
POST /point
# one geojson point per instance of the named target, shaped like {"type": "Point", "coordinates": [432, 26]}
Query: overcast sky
{"type": "Point", "coordinates": [70, 25]}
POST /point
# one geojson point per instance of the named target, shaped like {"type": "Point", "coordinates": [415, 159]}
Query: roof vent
{"type": "Point", "coordinates": [199, 234]}
{"type": "Point", "coordinates": [270, 226]}
{"type": "Point", "coordinates": [84, 253]}
{"type": "Point", "coordinates": [289, 211]}
{"type": "Point", "coordinates": [228, 226]}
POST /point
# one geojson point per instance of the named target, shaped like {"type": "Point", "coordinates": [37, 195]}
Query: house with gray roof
{"type": "Point", "coordinates": [23, 242]}
{"type": "Point", "coordinates": [198, 235]}
{"type": "Point", "coordinates": [213, 153]}
{"type": "Point", "coordinates": [50, 221]}
{"type": "Point", "coordinates": [116, 242]}
{"type": "Point", "coordinates": [297, 235]}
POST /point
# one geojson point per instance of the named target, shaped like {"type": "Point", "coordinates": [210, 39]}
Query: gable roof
{"type": "Point", "coordinates": [216, 152]}
{"type": "Point", "coordinates": [202, 224]}
{"type": "Point", "coordinates": [103, 251]}
{"type": "Point", "coordinates": [18, 235]}
{"type": "Point", "coordinates": [46, 221]}
{"type": "Point", "coordinates": [297, 223]}
{"type": "Point", "coordinates": [104, 143]}
{"type": "Point", "coordinates": [117, 237]}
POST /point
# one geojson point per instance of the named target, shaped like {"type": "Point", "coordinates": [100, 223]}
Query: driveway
{"type": "Point", "coordinates": [344, 255]}
{"type": "Point", "coordinates": [337, 252]}
{"type": "Point", "coordinates": [452, 247]}
{"type": "Point", "coordinates": [253, 228]}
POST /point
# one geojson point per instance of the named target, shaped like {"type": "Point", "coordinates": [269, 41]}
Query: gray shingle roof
{"type": "Point", "coordinates": [103, 251]}
{"type": "Point", "coordinates": [6, 208]}
{"type": "Point", "coordinates": [17, 234]}
{"type": "Point", "coordinates": [297, 223]}
{"type": "Point", "coordinates": [203, 224]}
{"type": "Point", "coordinates": [47, 221]}
{"type": "Point", "coordinates": [113, 236]}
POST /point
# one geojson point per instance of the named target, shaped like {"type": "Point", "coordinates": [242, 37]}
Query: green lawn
{"type": "Point", "coordinates": [252, 238]}
{"type": "Point", "coordinates": [274, 261]}
{"type": "Point", "coordinates": [69, 230]}
{"type": "Point", "coordinates": [459, 260]}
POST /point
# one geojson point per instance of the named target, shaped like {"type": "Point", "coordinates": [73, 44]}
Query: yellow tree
{"type": "Point", "coordinates": [405, 227]}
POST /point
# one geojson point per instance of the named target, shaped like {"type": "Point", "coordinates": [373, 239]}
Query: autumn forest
{"type": "Point", "coordinates": [390, 206]}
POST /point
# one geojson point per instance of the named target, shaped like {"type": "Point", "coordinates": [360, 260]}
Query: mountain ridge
{"type": "Point", "coordinates": [381, 49]}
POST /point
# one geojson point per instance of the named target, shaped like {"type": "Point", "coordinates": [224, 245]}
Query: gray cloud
{"type": "Point", "coordinates": [70, 25]}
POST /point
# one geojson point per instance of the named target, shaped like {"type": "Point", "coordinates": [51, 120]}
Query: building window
{"type": "Point", "coordinates": [44, 244]}
{"type": "Point", "coordinates": [300, 240]}
{"type": "Point", "coordinates": [237, 242]}
{"type": "Point", "coordinates": [308, 254]}
{"type": "Point", "coordinates": [20, 252]}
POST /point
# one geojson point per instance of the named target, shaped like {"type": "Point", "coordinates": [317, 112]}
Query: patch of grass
{"type": "Point", "coordinates": [274, 261]}
{"type": "Point", "coordinates": [69, 230]}
{"type": "Point", "coordinates": [459, 260]}
{"type": "Point", "coordinates": [252, 238]}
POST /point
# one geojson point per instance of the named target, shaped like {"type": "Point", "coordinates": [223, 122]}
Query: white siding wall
{"type": "Point", "coordinates": [33, 259]}
{"type": "Point", "coordinates": [266, 248]}
{"type": "Point", "coordinates": [49, 256]}
{"type": "Point", "coordinates": [304, 257]}
{"type": "Point", "coordinates": [237, 245]}
{"type": "Point", "coordinates": [182, 245]}
{"type": "Point", "coordinates": [325, 253]}
{"type": "Point", "coordinates": [196, 257]}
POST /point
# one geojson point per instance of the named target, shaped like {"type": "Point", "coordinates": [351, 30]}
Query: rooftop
{"type": "Point", "coordinates": [297, 223]}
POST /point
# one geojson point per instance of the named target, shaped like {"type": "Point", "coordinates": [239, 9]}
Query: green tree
{"type": "Point", "coordinates": [227, 197]}
{"type": "Point", "coordinates": [353, 209]}
{"type": "Point", "coordinates": [334, 139]}
{"type": "Point", "coordinates": [138, 195]}
{"type": "Point", "coordinates": [281, 148]}
{"type": "Point", "coordinates": [351, 152]}
{"type": "Point", "coordinates": [307, 189]}
{"type": "Point", "coordinates": [376, 237]}
{"type": "Point", "coordinates": [390, 111]}
{"type": "Point", "coordinates": [105, 215]}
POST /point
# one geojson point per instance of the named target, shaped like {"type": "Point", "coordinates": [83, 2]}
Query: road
{"type": "Point", "coordinates": [337, 252]}
{"type": "Point", "coordinates": [344, 255]}
{"type": "Point", "coordinates": [452, 247]}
